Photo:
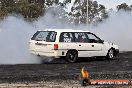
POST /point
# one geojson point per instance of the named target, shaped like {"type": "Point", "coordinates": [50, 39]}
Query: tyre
{"type": "Point", "coordinates": [110, 54]}
{"type": "Point", "coordinates": [71, 56]}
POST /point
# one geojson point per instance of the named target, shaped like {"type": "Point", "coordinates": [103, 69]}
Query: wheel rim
{"type": "Point", "coordinates": [72, 57]}
{"type": "Point", "coordinates": [111, 54]}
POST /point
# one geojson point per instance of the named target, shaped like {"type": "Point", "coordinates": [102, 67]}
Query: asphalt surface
{"type": "Point", "coordinates": [58, 70]}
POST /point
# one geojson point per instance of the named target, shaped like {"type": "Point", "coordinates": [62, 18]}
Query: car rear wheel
{"type": "Point", "coordinates": [110, 54]}
{"type": "Point", "coordinates": [71, 56]}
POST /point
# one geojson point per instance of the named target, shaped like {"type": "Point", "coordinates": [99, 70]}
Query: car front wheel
{"type": "Point", "coordinates": [110, 54]}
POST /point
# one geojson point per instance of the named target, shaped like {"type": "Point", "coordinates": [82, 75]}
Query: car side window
{"type": "Point", "coordinates": [48, 36]}
{"type": "Point", "coordinates": [93, 38]}
{"type": "Point", "coordinates": [41, 36]}
{"type": "Point", "coordinates": [51, 37]}
{"type": "Point", "coordinates": [66, 37]}
{"type": "Point", "coordinates": [80, 37]}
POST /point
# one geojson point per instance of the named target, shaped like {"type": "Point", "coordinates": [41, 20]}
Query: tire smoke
{"type": "Point", "coordinates": [117, 29]}
{"type": "Point", "coordinates": [14, 37]}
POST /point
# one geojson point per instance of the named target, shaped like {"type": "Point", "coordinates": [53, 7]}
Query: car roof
{"type": "Point", "coordinates": [65, 30]}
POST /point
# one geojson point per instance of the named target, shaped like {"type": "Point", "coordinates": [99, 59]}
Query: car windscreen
{"type": "Point", "coordinates": [48, 36]}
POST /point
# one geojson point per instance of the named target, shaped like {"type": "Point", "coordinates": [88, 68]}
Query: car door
{"type": "Point", "coordinates": [96, 45]}
{"type": "Point", "coordinates": [89, 44]}
{"type": "Point", "coordinates": [84, 47]}
{"type": "Point", "coordinates": [66, 41]}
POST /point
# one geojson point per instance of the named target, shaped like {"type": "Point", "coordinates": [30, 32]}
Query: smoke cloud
{"type": "Point", "coordinates": [14, 37]}
{"type": "Point", "coordinates": [117, 29]}
{"type": "Point", "coordinates": [15, 33]}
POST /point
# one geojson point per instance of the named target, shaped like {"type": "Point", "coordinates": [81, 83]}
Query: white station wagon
{"type": "Point", "coordinates": [70, 44]}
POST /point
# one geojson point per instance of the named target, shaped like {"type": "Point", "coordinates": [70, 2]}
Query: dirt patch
{"type": "Point", "coordinates": [65, 73]}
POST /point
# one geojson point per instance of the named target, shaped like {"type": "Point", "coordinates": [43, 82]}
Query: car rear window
{"type": "Point", "coordinates": [48, 36]}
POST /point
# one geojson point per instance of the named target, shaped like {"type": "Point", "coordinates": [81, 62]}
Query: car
{"type": "Point", "coordinates": [71, 44]}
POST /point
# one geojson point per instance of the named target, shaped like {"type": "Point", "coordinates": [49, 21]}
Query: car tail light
{"type": "Point", "coordinates": [56, 46]}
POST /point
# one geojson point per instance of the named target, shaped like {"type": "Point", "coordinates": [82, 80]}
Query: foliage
{"type": "Point", "coordinates": [33, 9]}
{"type": "Point", "coordinates": [96, 12]}
{"type": "Point", "coordinates": [124, 7]}
{"type": "Point", "coordinates": [29, 9]}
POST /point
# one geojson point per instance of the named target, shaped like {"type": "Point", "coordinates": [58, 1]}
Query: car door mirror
{"type": "Point", "coordinates": [102, 41]}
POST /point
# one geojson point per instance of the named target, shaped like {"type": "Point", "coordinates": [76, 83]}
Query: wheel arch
{"type": "Point", "coordinates": [72, 50]}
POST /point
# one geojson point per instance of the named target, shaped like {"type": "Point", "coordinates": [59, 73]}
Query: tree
{"type": "Point", "coordinates": [3, 13]}
{"type": "Point", "coordinates": [30, 9]}
{"type": "Point", "coordinates": [7, 4]}
{"type": "Point", "coordinates": [124, 7]}
{"type": "Point", "coordinates": [5, 8]}
{"type": "Point", "coordinates": [33, 9]}
{"type": "Point", "coordinates": [96, 12]}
